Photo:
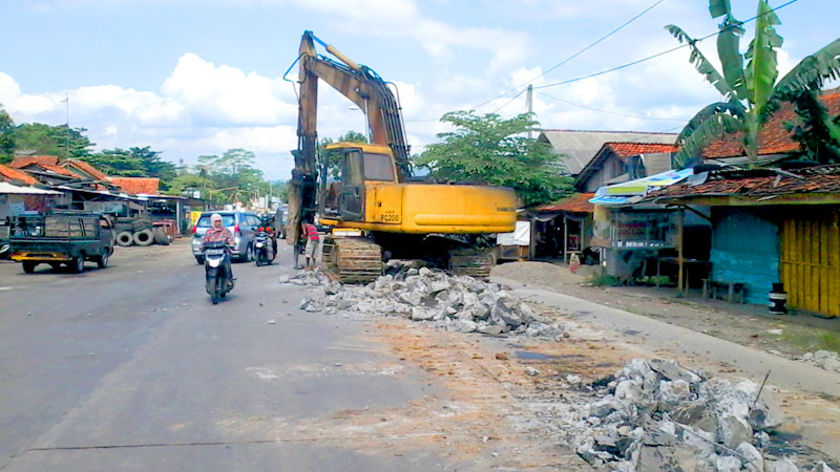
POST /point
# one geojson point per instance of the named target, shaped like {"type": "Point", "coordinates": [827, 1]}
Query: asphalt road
{"type": "Point", "coordinates": [131, 368]}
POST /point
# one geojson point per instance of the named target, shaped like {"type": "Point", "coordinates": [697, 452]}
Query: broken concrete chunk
{"type": "Point", "coordinates": [785, 465]}
{"type": "Point", "coordinates": [750, 456]}
{"type": "Point", "coordinates": [733, 430]}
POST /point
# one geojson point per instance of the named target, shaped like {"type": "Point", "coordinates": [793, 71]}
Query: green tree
{"type": "Point", "coordinates": [7, 140]}
{"type": "Point", "coordinates": [52, 140]}
{"type": "Point", "coordinates": [494, 151]}
{"type": "Point", "coordinates": [751, 90]}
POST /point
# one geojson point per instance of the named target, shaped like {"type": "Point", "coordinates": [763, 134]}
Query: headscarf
{"type": "Point", "coordinates": [214, 217]}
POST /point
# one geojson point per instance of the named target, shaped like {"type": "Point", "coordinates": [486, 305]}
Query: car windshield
{"type": "Point", "coordinates": [204, 221]}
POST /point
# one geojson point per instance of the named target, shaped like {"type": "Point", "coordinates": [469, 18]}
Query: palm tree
{"type": "Point", "coordinates": [751, 91]}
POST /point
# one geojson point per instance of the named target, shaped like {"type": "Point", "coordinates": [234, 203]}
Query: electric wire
{"type": "Point", "coordinates": [628, 115]}
{"type": "Point", "coordinates": [659, 54]}
{"type": "Point", "coordinates": [578, 53]}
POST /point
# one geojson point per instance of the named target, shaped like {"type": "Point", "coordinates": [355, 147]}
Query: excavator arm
{"type": "Point", "coordinates": [362, 86]}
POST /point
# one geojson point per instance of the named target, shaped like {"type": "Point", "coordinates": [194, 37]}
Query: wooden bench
{"type": "Point", "coordinates": [734, 290]}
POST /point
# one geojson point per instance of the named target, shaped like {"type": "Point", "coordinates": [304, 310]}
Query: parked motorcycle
{"type": "Point", "coordinates": [265, 246]}
{"type": "Point", "coordinates": [218, 280]}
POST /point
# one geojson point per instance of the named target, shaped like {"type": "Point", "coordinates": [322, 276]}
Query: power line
{"type": "Point", "coordinates": [509, 101]}
{"type": "Point", "coordinates": [654, 56]}
{"type": "Point", "coordinates": [628, 115]}
{"type": "Point", "coordinates": [578, 53]}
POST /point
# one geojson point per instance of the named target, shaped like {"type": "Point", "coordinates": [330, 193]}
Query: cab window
{"type": "Point", "coordinates": [378, 167]}
{"type": "Point", "coordinates": [351, 173]}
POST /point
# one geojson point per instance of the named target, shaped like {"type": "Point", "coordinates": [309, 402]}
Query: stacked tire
{"type": "Point", "coordinates": [134, 232]}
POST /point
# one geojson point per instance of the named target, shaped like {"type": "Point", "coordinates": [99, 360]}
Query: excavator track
{"type": "Point", "coordinates": [352, 260]}
{"type": "Point", "coordinates": [474, 263]}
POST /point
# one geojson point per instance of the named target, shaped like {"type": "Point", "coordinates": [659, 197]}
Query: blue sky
{"type": "Point", "coordinates": [192, 77]}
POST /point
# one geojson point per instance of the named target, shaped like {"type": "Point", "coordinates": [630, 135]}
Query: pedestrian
{"type": "Point", "coordinates": [310, 233]}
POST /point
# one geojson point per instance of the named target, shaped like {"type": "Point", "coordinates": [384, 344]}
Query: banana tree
{"type": "Point", "coordinates": [751, 92]}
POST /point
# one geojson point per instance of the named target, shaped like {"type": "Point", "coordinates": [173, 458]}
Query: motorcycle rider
{"type": "Point", "coordinates": [217, 232]}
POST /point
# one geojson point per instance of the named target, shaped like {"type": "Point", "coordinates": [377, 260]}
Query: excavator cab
{"type": "Point", "coordinates": [359, 163]}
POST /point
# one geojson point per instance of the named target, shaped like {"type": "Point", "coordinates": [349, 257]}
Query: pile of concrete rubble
{"type": "Point", "coordinates": [823, 359]}
{"type": "Point", "coordinates": [655, 415]}
{"type": "Point", "coordinates": [411, 290]}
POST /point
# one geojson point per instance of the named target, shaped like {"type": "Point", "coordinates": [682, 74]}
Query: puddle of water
{"type": "Point", "coordinates": [535, 356]}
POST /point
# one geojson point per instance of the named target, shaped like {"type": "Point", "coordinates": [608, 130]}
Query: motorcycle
{"type": "Point", "coordinates": [218, 280]}
{"type": "Point", "coordinates": [265, 247]}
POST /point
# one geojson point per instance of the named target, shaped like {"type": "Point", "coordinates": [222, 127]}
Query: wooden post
{"type": "Point", "coordinates": [532, 241]}
{"type": "Point", "coordinates": [679, 236]}
{"type": "Point", "coordinates": [565, 239]}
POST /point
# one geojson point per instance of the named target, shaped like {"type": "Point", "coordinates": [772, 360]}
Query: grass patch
{"type": "Point", "coordinates": [603, 280]}
{"type": "Point", "coordinates": [812, 339]}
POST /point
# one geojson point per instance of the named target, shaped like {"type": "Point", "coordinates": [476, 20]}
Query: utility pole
{"type": "Point", "coordinates": [67, 115]}
{"type": "Point", "coordinates": [529, 102]}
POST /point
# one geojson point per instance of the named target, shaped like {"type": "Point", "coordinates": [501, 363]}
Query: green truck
{"type": "Point", "coordinates": [69, 238]}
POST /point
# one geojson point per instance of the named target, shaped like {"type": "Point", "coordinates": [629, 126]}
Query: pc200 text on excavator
{"type": "Point", "coordinates": [397, 215]}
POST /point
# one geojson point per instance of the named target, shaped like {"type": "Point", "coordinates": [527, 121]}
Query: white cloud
{"type": "Point", "coordinates": [223, 93]}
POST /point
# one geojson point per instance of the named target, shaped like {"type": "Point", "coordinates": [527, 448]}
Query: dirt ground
{"type": "Point", "coordinates": [491, 415]}
{"type": "Point", "coordinates": [751, 325]}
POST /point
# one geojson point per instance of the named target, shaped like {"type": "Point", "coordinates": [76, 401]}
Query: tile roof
{"type": "Point", "coordinates": [84, 167]}
{"type": "Point", "coordinates": [581, 146]}
{"type": "Point", "coordinates": [577, 203]}
{"type": "Point", "coordinates": [627, 149]}
{"type": "Point", "coordinates": [56, 169]}
{"type": "Point", "coordinates": [137, 185]}
{"type": "Point", "coordinates": [756, 183]}
{"type": "Point", "coordinates": [10, 173]}
{"type": "Point", "coordinates": [23, 161]}
{"type": "Point", "coordinates": [773, 137]}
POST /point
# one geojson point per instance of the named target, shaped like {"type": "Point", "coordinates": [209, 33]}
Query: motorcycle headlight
{"type": "Point", "coordinates": [260, 244]}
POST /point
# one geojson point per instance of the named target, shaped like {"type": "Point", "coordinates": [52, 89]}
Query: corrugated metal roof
{"type": "Point", "coordinates": [581, 146]}
{"type": "Point", "coordinates": [756, 183]}
{"type": "Point", "coordinates": [6, 187]}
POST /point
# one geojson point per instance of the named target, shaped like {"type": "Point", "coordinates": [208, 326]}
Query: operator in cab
{"type": "Point", "coordinates": [217, 232]}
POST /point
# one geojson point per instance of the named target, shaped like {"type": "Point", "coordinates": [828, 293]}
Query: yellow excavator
{"type": "Point", "coordinates": [377, 210]}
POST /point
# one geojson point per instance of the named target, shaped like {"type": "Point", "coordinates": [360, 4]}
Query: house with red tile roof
{"type": "Point", "coordinates": [774, 140]}
{"type": "Point", "coordinates": [12, 175]}
{"type": "Point", "coordinates": [137, 185]}
{"type": "Point", "coordinates": [617, 162]}
{"type": "Point", "coordinates": [83, 169]}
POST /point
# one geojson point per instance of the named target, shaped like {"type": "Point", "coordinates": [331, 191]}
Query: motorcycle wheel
{"type": "Point", "coordinates": [214, 298]}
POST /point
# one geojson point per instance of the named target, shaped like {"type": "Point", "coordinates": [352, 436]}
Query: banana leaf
{"type": "Point", "coordinates": [762, 68]}
{"type": "Point", "coordinates": [812, 71]}
{"type": "Point", "coordinates": [719, 8]}
{"type": "Point", "coordinates": [732, 62]}
{"type": "Point", "coordinates": [710, 123]}
{"type": "Point", "coordinates": [700, 62]}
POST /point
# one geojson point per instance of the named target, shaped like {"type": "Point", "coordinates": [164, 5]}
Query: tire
{"type": "Point", "coordinates": [199, 260]}
{"type": "Point", "coordinates": [144, 238]}
{"type": "Point", "coordinates": [125, 238]}
{"type": "Point", "coordinates": [102, 260]}
{"type": "Point", "coordinates": [214, 297]}
{"type": "Point", "coordinates": [160, 237]}
{"type": "Point", "coordinates": [29, 266]}
{"type": "Point", "coordinates": [77, 265]}
{"type": "Point", "coordinates": [249, 253]}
